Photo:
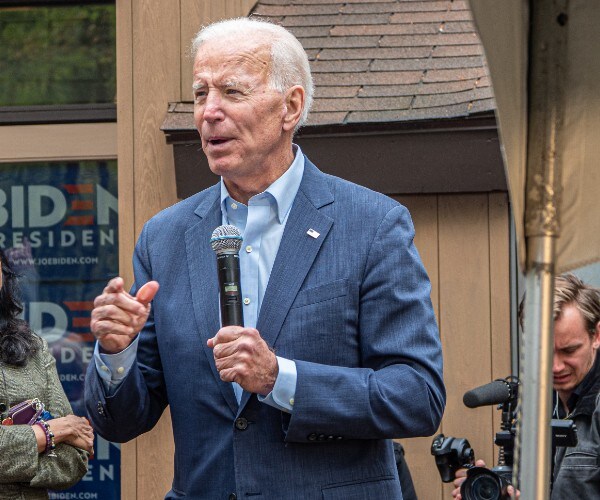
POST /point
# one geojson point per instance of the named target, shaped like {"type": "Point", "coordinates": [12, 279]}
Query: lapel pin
{"type": "Point", "coordinates": [313, 234]}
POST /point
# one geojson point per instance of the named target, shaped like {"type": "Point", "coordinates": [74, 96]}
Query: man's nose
{"type": "Point", "coordinates": [213, 110]}
{"type": "Point", "coordinates": [557, 364]}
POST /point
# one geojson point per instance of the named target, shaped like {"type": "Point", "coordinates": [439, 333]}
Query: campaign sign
{"type": "Point", "coordinates": [58, 228]}
{"type": "Point", "coordinates": [61, 314]}
{"type": "Point", "coordinates": [58, 221]}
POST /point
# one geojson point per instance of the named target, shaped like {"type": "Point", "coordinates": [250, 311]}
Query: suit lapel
{"type": "Point", "coordinates": [203, 281]}
{"type": "Point", "coordinates": [297, 252]}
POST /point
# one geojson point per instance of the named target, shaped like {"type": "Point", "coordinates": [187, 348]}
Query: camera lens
{"type": "Point", "coordinates": [485, 487]}
{"type": "Point", "coordinates": [484, 484]}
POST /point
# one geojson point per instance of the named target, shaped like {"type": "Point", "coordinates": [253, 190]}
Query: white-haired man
{"type": "Point", "coordinates": [339, 351]}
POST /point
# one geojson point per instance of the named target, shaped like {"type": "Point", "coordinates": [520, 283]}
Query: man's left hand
{"type": "Point", "coordinates": [242, 356]}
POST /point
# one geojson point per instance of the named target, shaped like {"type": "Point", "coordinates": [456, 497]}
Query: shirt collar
{"type": "Point", "coordinates": [283, 191]}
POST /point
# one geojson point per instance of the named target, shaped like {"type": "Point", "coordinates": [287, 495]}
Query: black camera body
{"type": "Point", "coordinates": [452, 454]}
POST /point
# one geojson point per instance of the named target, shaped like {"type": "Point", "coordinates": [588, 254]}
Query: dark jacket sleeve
{"type": "Point", "coordinates": [140, 399]}
{"type": "Point", "coordinates": [578, 467]}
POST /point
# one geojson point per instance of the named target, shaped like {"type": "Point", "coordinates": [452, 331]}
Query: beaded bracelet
{"type": "Point", "coordinates": [50, 445]}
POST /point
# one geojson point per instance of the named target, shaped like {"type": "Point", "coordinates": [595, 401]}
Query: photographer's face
{"type": "Point", "coordinates": [574, 351]}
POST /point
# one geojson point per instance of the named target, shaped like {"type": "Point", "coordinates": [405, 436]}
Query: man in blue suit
{"type": "Point", "coordinates": [339, 352]}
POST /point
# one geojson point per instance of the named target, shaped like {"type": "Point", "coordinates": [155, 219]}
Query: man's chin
{"type": "Point", "coordinates": [219, 166]}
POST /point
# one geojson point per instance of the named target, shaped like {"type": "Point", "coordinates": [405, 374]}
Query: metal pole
{"type": "Point", "coordinates": [534, 452]}
{"type": "Point", "coordinates": [546, 106]}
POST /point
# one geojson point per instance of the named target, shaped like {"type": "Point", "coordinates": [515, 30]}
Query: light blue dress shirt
{"type": "Point", "coordinates": [261, 223]}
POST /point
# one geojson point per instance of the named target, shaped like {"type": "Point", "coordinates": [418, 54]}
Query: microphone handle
{"type": "Point", "coordinates": [228, 270]}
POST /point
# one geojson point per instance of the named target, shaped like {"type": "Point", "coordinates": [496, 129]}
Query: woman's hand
{"type": "Point", "coordinates": [73, 430]}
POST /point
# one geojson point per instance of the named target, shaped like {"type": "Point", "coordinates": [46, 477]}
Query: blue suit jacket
{"type": "Point", "coordinates": [351, 307]}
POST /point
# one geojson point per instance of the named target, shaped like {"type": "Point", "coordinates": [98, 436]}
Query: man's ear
{"type": "Point", "coordinates": [596, 339]}
{"type": "Point", "coordinates": [294, 104]}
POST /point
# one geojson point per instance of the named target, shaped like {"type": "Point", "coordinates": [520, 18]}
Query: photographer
{"type": "Point", "coordinates": [576, 380]}
{"type": "Point", "coordinates": [461, 475]}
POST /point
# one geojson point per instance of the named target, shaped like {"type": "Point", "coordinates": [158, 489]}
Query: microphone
{"type": "Point", "coordinates": [226, 241]}
{"type": "Point", "coordinates": [497, 392]}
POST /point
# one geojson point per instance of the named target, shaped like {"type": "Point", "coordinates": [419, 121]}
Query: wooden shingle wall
{"type": "Point", "coordinates": [464, 243]}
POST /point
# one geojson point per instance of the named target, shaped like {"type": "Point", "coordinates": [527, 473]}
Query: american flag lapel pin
{"type": "Point", "coordinates": [313, 234]}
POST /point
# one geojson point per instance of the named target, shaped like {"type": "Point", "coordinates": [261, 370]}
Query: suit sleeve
{"type": "Point", "coordinates": [26, 464]}
{"type": "Point", "coordinates": [140, 399]}
{"type": "Point", "coordinates": [397, 391]}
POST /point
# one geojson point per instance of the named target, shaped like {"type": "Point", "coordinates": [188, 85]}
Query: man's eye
{"type": "Point", "coordinates": [232, 91]}
{"type": "Point", "coordinates": [199, 95]}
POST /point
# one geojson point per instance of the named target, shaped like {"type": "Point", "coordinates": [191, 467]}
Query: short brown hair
{"type": "Point", "coordinates": [569, 289]}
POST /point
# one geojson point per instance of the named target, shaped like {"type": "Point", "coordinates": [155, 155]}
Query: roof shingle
{"type": "Point", "coordinates": [385, 60]}
{"type": "Point", "coordinates": [388, 60]}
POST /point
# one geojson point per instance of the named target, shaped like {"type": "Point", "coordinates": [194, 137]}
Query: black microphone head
{"type": "Point", "coordinates": [226, 239]}
{"type": "Point", "coordinates": [496, 392]}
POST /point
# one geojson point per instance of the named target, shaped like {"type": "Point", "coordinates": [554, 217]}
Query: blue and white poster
{"type": "Point", "coordinates": [59, 220]}
{"type": "Point", "coordinates": [59, 229]}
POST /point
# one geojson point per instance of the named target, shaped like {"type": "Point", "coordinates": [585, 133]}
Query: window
{"type": "Point", "coordinates": [60, 55]}
{"type": "Point", "coordinates": [58, 183]}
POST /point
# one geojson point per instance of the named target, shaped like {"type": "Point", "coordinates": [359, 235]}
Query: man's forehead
{"type": "Point", "coordinates": [570, 334]}
{"type": "Point", "coordinates": [564, 342]}
{"type": "Point", "coordinates": [234, 49]}
{"type": "Point", "coordinates": [236, 63]}
{"type": "Point", "coordinates": [222, 78]}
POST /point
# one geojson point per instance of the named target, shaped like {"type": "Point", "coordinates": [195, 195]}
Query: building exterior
{"type": "Point", "coordinates": [58, 181]}
{"type": "Point", "coordinates": [403, 105]}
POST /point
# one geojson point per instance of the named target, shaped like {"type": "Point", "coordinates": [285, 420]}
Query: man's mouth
{"type": "Point", "coordinates": [215, 141]}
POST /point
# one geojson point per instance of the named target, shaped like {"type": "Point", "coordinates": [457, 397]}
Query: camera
{"type": "Point", "coordinates": [486, 484]}
{"type": "Point", "coordinates": [453, 453]}
{"type": "Point", "coordinates": [450, 455]}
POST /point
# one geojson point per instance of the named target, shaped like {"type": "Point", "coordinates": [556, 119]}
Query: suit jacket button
{"type": "Point", "coordinates": [2, 407]}
{"type": "Point", "coordinates": [321, 437]}
{"type": "Point", "coordinates": [100, 408]}
{"type": "Point", "coordinates": [233, 496]}
{"type": "Point", "coordinates": [241, 424]}
{"type": "Point", "coordinates": [312, 437]}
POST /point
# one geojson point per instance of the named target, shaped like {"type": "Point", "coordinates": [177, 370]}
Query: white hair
{"type": "Point", "coordinates": [289, 62]}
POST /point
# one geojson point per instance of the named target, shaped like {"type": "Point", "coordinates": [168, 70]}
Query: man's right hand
{"type": "Point", "coordinates": [118, 316]}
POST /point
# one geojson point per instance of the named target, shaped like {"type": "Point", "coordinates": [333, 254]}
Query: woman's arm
{"type": "Point", "coordinates": [72, 435]}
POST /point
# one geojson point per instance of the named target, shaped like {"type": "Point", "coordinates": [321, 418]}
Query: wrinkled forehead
{"type": "Point", "coordinates": [234, 53]}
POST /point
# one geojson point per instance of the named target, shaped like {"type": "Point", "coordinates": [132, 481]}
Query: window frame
{"type": "Point", "coordinates": [57, 113]}
{"type": "Point", "coordinates": [60, 113]}
{"type": "Point", "coordinates": [51, 3]}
